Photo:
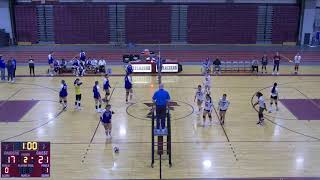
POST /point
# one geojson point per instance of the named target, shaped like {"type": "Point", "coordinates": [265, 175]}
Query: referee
{"type": "Point", "coordinates": [161, 99]}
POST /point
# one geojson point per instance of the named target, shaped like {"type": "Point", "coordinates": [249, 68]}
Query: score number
{"type": "Point", "coordinates": [31, 146]}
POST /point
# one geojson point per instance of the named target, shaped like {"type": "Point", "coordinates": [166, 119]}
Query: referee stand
{"type": "Point", "coordinates": [159, 145]}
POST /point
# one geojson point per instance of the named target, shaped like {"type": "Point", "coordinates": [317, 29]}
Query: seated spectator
{"type": "Point", "coordinates": [75, 65]}
{"type": "Point", "coordinates": [88, 62]}
{"type": "Point", "coordinates": [80, 70]}
{"type": "Point", "coordinates": [217, 66]}
{"type": "Point", "coordinates": [63, 63]}
{"type": "Point", "coordinates": [102, 63]}
{"type": "Point", "coordinates": [56, 66]}
{"type": "Point", "coordinates": [255, 66]}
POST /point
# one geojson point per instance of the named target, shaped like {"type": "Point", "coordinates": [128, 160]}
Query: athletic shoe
{"type": "Point", "coordinates": [272, 73]}
{"type": "Point", "coordinates": [98, 110]}
{"type": "Point", "coordinates": [259, 122]}
{"type": "Point", "coordinates": [270, 111]}
{"type": "Point", "coordinates": [277, 74]}
{"type": "Point", "coordinates": [277, 109]}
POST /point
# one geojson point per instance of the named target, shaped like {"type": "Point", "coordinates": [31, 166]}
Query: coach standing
{"type": "Point", "coordinates": [2, 68]}
{"type": "Point", "coordinates": [161, 99]}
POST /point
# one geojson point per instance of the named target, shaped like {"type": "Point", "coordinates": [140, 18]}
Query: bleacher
{"type": "Point", "coordinates": [285, 23]}
{"type": "Point", "coordinates": [148, 24]}
{"type": "Point", "coordinates": [26, 23]}
{"type": "Point", "coordinates": [222, 24]}
{"type": "Point", "coordinates": [90, 27]}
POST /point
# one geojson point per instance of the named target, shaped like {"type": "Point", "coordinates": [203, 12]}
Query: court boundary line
{"type": "Point", "coordinates": [95, 131]}
{"type": "Point", "coordinates": [37, 127]}
{"type": "Point", "coordinates": [225, 133]}
{"type": "Point", "coordinates": [148, 119]}
{"type": "Point", "coordinates": [185, 142]}
{"type": "Point", "coordinates": [277, 124]}
{"type": "Point", "coordinates": [41, 125]}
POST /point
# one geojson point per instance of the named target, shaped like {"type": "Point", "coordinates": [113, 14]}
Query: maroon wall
{"type": "Point", "coordinates": [148, 23]}
{"type": "Point", "coordinates": [26, 23]}
{"type": "Point", "coordinates": [81, 24]}
{"type": "Point", "coordinates": [222, 23]}
{"type": "Point", "coordinates": [285, 24]}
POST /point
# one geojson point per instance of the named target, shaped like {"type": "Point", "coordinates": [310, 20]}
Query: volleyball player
{"type": "Point", "coordinates": [105, 119]}
{"type": "Point", "coordinates": [97, 96]}
{"type": "Point", "coordinates": [223, 107]}
{"type": "Point", "coordinates": [207, 83]}
{"type": "Point", "coordinates": [208, 107]}
{"type": "Point", "coordinates": [262, 107]}
{"type": "Point", "coordinates": [106, 87]}
{"type": "Point", "coordinates": [297, 61]}
{"type": "Point", "coordinates": [200, 97]}
{"type": "Point", "coordinates": [274, 97]}
{"type": "Point", "coordinates": [128, 87]}
{"type": "Point", "coordinates": [63, 94]}
{"type": "Point", "coordinates": [77, 83]}
{"type": "Point", "coordinates": [50, 62]}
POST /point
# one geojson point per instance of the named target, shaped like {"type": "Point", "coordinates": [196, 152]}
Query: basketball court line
{"type": "Point", "coordinates": [6, 100]}
{"type": "Point", "coordinates": [95, 131]}
{"type": "Point", "coordinates": [166, 75]}
{"type": "Point", "coordinates": [277, 124]}
{"type": "Point", "coordinates": [186, 142]}
{"type": "Point", "coordinates": [309, 99]}
{"type": "Point", "coordinates": [37, 127]}
{"type": "Point", "coordinates": [225, 133]}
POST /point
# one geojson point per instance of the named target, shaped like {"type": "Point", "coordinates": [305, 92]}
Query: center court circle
{"type": "Point", "coordinates": [142, 110]}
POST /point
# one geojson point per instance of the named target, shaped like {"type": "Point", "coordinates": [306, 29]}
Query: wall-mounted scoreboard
{"type": "Point", "coordinates": [25, 159]}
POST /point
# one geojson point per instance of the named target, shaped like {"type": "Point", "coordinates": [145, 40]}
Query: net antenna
{"type": "Point", "coordinates": [159, 63]}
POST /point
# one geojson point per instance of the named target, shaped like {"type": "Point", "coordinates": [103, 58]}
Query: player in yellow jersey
{"type": "Point", "coordinates": [77, 83]}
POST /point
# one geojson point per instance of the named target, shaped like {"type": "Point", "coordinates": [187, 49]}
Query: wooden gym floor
{"type": "Point", "coordinates": [287, 146]}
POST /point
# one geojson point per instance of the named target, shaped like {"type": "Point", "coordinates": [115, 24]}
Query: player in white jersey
{"type": "Point", "coordinates": [262, 107]}
{"type": "Point", "coordinates": [297, 61]}
{"type": "Point", "coordinates": [208, 107]}
{"type": "Point", "coordinates": [207, 83]}
{"type": "Point", "coordinates": [199, 96]}
{"type": "Point", "coordinates": [274, 97]}
{"type": "Point", "coordinates": [223, 107]}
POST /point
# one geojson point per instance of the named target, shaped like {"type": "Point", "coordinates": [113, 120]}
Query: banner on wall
{"type": "Point", "coordinates": [169, 68]}
{"type": "Point", "coordinates": [142, 68]}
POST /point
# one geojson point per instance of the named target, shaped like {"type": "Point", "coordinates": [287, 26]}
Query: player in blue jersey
{"type": "Point", "coordinates": [97, 96]}
{"type": "Point", "coordinates": [128, 87]}
{"type": "Point", "coordinates": [50, 62]}
{"type": "Point", "coordinates": [63, 94]}
{"type": "Point", "coordinates": [106, 87]}
{"type": "Point", "coordinates": [105, 118]}
{"type": "Point", "coordinates": [129, 69]}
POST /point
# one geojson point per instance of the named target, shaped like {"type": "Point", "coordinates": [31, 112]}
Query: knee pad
{"type": "Point", "coordinates": [60, 101]}
{"type": "Point", "coordinates": [65, 101]}
{"type": "Point", "coordinates": [210, 116]}
{"type": "Point", "coordinates": [203, 117]}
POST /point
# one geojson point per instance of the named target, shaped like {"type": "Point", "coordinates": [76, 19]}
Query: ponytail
{"type": "Point", "coordinates": [273, 90]}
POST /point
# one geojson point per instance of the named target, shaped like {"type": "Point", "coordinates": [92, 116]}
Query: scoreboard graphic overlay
{"type": "Point", "coordinates": [25, 159]}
